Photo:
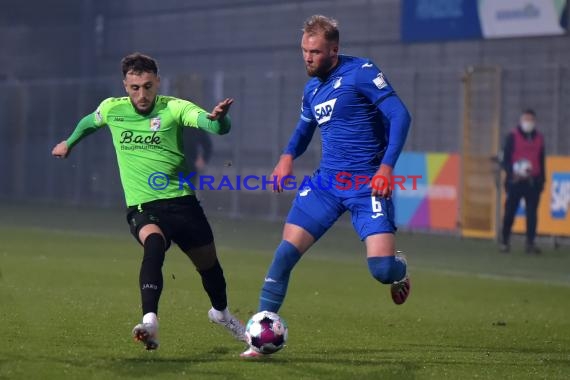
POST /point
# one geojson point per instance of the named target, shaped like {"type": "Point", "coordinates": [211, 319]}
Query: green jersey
{"type": "Point", "coordinates": [149, 144]}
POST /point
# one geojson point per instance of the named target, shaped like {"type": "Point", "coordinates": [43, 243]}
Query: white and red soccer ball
{"type": "Point", "coordinates": [266, 332]}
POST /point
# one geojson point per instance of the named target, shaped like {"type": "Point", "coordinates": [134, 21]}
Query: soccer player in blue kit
{"type": "Point", "coordinates": [363, 125]}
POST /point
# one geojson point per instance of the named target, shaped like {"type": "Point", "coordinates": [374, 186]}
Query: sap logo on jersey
{"type": "Point", "coordinates": [323, 111]}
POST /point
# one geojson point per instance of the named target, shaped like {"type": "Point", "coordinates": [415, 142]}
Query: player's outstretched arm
{"type": "Point", "coordinates": [217, 122]}
{"type": "Point", "coordinates": [85, 127]}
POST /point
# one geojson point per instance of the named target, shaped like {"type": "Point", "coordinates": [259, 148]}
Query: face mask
{"type": "Point", "coordinates": [527, 126]}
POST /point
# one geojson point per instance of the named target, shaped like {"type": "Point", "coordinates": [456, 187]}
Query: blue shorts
{"type": "Point", "coordinates": [324, 199]}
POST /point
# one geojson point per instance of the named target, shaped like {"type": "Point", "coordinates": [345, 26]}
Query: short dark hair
{"type": "Point", "coordinates": [322, 24]}
{"type": "Point", "coordinates": [529, 111]}
{"type": "Point", "coordinates": [138, 63]}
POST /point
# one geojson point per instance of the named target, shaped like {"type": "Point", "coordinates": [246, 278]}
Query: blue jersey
{"type": "Point", "coordinates": [357, 110]}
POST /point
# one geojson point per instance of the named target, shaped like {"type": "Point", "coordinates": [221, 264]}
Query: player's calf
{"type": "Point", "coordinates": [387, 269]}
{"type": "Point", "coordinates": [277, 280]}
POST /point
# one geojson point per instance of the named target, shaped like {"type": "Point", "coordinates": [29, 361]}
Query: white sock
{"type": "Point", "coordinates": [150, 318]}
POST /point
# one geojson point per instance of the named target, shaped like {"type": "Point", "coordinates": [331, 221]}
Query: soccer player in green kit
{"type": "Point", "coordinates": [147, 129]}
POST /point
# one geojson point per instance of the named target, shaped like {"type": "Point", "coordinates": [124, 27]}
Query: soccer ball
{"type": "Point", "coordinates": [266, 332]}
{"type": "Point", "coordinates": [522, 168]}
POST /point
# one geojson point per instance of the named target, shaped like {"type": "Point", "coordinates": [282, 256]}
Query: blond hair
{"type": "Point", "coordinates": [317, 24]}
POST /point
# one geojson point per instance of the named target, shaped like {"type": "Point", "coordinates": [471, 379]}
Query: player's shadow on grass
{"type": "Point", "coordinates": [154, 362]}
{"type": "Point", "coordinates": [484, 349]}
{"type": "Point", "coordinates": [361, 364]}
{"type": "Point", "coordinates": [144, 363]}
{"type": "Point", "coordinates": [367, 362]}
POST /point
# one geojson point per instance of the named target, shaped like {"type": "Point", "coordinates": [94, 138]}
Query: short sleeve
{"type": "Point", "coordinates": [372, 83]}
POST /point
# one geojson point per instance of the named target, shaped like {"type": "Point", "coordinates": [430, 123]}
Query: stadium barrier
{"type": "Point", "coordinates": [436, 203]}
{"type": "Point", "coordinates": [553, 215]}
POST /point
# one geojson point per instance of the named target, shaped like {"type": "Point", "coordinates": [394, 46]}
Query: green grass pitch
{"type": "Point", "coordinates": [69, 299]}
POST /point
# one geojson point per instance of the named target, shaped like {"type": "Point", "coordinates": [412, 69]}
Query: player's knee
{"type": "Point", "coordinates": [154, 248]}
{"type": "Point", "coordinates": [148, 230]}
{"type": "Point", "coordinates": [382, 268]}
{"type": "Point", "coordinates": [155, 241]}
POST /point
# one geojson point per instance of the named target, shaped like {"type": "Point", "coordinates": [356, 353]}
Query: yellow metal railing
{"type": "Point", "coordinates": [480, 146]}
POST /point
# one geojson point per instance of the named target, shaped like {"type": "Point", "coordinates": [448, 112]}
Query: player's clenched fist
{"type": "Point", "coordinates": [61, 150]}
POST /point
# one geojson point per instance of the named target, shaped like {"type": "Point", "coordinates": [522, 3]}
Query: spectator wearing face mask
{"type": "Point", "coordinates": [523, 162]}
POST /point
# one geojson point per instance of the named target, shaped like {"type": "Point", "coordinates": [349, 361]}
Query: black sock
{"type": "Point", "coordinates": [150, 278]}
{"type": "Point", "coordinates": [215, 285]}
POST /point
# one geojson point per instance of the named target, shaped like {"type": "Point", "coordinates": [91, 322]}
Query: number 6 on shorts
{"type": "Point", "coordinates": [376, 204]}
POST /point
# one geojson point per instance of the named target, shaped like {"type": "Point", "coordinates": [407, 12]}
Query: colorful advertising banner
{"type": "Point", "coordinates": [433, 203]}
{"type": "Point", "coordinates": [441, 20]}
{"type": "Point", "coordinates": [553, 209]}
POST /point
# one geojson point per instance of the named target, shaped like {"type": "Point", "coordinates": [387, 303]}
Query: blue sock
{"type": "Point", "coordinates": [277, 279]}
{"type": "Point", "coordinates": [386, 269]}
